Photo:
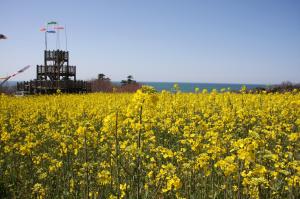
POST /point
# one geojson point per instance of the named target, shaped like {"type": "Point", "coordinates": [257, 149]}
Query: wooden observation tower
{"type": "Point", "coordinates": [56, 73]}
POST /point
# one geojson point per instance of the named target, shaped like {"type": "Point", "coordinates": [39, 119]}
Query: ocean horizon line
{"type": "Point", "coordinates": [178, 82]}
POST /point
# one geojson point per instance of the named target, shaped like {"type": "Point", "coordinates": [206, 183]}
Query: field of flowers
{"type": "Point", "coordinates": [150, 145]}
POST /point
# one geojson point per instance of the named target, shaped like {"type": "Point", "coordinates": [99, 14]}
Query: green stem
{"type": "Point", "coordinates": [138, 156]}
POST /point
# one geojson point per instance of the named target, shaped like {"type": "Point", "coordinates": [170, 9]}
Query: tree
{"type": "Point", "coordinates": [102, 84]}
{"type": "Point", "coordinates": [128, 81]}
{"type": "Point", "coordinates": [129, 78]}
{"type": "Point", "coordinates": [101, 76]}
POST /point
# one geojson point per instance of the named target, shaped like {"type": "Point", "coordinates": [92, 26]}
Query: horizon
{"type": "Point", "coordinates": [172, 41]}
{"type": "Point", "coordinates": [172, 82]}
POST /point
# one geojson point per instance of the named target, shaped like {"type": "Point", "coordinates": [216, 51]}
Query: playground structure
{"type": "Point", "coordinates": [56, 73]}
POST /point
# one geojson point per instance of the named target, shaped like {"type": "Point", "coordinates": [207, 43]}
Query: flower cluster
{"type": "Point", "coordinates": [149, 144]}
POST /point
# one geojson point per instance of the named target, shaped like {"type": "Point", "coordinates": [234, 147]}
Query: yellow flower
{"type": "Point", "coordinates": [104, 177]}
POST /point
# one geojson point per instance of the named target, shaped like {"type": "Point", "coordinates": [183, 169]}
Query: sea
{"type": "Point", "coordinates": [190, 87]}
{"type": "Point", "coordinates": [184, 86]}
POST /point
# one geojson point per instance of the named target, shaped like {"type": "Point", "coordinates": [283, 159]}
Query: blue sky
{"type": "Point", "coordinates": [221, 41]}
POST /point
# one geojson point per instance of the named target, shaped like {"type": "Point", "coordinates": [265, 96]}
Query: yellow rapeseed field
{"type": "Point", "coordinates": [150, 145]}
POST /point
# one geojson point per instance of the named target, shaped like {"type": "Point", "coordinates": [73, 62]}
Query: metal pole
{"type": "Point", "coordinates": [66, 37]}
{"type": "Point", "coordinates": [57, 37]}
{"type": "Point", "coordinates": [46, 39]}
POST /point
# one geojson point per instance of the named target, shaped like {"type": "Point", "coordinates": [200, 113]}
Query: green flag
{"type": "Point", "coordinates": [51, 22]}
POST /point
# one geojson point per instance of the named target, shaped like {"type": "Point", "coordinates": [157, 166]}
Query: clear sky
{"type": "Point", "coordinates": [222, 41]}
